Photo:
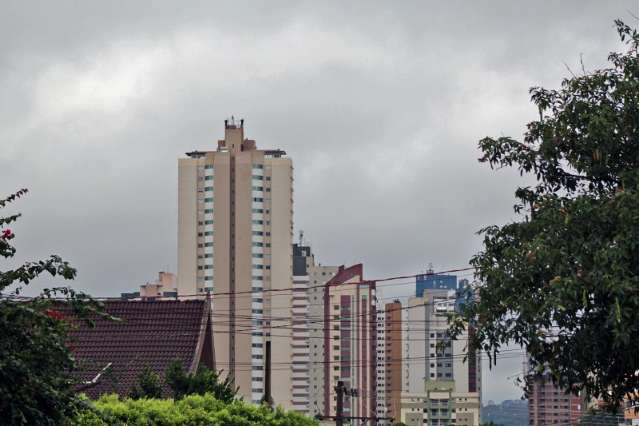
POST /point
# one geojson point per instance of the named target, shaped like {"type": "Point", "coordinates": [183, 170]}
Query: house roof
{"type": "Point", "coordinates": [149, 333]}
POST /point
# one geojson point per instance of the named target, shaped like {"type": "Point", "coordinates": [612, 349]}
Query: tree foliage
{"type": "Point", "coordinates": [564, 281]}
{"type": "Point", "coordinates": [36, 386]}
{"type": "Point", "coordinates": [149, 385]}
{"type": "Point", "coordinates": [190, 410]}
{"type": "Point", "coordinates": [202, 382]}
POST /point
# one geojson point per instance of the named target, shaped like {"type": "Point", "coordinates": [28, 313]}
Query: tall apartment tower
{"type": "Point", "coordinates": [442, 382]}
{"type": "Point", "coordinates": [549, 404]}
{"type": "Point", "coordinates": [307, 313]}
{"type": "Point", "coordinates": [318, 276]}
{"type": "Point", "coordinates": [350, 343]}
{"type": "Point", "coordinates": [389, 361]}
{"type": "Point", "coordinates": [234, 241]}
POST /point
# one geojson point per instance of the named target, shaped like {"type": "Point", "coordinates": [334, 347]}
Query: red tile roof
{"type": "Point", "coordinates": [150, 333]}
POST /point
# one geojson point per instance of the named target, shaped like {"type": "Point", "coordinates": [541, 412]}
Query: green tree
{"type": "Point", "coordinates": [36, 383]}
{"type": "Point", "coordinates": [563, 282]}
{"type": "Point", "coordinates": [148, 385]}
{"type": "Point", "coordinates": [202, 382]}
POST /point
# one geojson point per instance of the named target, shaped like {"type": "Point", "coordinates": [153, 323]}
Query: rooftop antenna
{"type": "Point", "coordinates": [430, 269]}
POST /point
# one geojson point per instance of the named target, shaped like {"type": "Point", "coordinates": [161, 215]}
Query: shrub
{"type": "Point", "coordinates": [200, 383]}
{"type": "Point", "coordinates": [109, 410]}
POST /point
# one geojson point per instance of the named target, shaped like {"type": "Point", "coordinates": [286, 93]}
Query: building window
{"type": "Point", "coordinates": [258, 255]}
{"type": "Point", "coordinates": [258, 210]}
{"type": "Point", "coordinates": [208, 222]}
{"type": "Point", "coordinates": [258, 233]}
{"type": "Point", "coordinates": [208, 188]}
{"type": "Point", "coordinates": [208, 177]}
{"type": "Point", "coordinates": [208, 200]}
{"type": "Point", "coordinates": [258, 222]}
{"type": "Point", "coordinates": [208, 166]}
{"type": "Point", "coordinates": [258, 199]}
{"type": "Point", "coordinates": [258, 166]}
{"type": "Point", "coordinates": [257, 188]}
{"type": "Point", "coordinates": [208, 210]}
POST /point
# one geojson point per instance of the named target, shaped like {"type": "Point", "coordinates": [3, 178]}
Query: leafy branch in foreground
{"type": "Point", "coordinates": [36, 383]}
{"type": "Point", "coordinates": [564, 281]}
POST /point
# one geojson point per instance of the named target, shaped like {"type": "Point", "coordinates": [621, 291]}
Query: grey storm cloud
{"type": "Point", "coordinates": [379, 104]}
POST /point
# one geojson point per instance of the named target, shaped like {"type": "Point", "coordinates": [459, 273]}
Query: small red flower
{"type": "Point", "coordinates": [7, 234]}
{"type": "Point", "coordinates": [52, 313]}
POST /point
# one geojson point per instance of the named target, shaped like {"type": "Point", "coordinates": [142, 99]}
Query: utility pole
{"type": "Point", "coordinates": [339, 415]}
{"type": "Point", "coordinates": [267, 399]}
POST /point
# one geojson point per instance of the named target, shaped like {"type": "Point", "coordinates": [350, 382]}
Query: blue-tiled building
{"type": "Point", "coordinates": [429, 281]}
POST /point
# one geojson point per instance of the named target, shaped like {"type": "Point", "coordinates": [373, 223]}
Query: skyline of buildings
{"type": "Point", "coordinates": [324, 324]}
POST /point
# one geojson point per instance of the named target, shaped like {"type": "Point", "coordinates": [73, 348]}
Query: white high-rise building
{"type": "Point", "coordinates": [442, 381]}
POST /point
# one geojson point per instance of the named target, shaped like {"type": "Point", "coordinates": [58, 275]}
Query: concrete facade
{"type": "Point", "coordinates": [438, 404]}
{"type": "Point", "coordinates": [307, 324]}
{"type": "Point", "coordinates": [389, 361]}
{"type": "Point", "coordinates": [235, 222]}
{"type": "Point", "coordinates": [548, 404]}
{"type": "Point", "coordinates": [319, 275]}
{"type": "Point", "coordinates": [434, 361]}
{"type": "Point", "coordinates": [350, 343]}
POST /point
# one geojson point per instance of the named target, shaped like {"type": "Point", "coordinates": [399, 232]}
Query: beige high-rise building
{"type": "Point", "coordinates": [234, 241]}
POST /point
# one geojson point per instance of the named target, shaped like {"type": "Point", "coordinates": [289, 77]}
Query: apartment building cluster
{"type": "Point", "coordinates": [288, 329]}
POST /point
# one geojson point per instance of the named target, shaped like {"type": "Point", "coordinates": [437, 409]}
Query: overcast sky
{"type": "Point", "coordinates": [380, 106]}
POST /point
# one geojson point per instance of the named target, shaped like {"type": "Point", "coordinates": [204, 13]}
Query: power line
{"type": "Point", "coordinates": [275, 290]}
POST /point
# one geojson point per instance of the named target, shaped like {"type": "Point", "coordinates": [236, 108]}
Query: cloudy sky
{"type": "Point", "coordinates": [380, 105]}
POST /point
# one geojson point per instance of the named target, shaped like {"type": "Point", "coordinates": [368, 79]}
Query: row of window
{"type": "Point", "coordinates": [205, 222]}
{"type": "Point", "coordinates": [259, 244]}
{"type": "Point", "coordinates": [261, 233]}
{"type": "Point", "coordinates": [206, 233]}
{"type": "Point", "coordinates": [209, 244]}
{"type": "Point", "coordinates": [201, 267]}
{"type": "Point", "coordinates": [261, 266]}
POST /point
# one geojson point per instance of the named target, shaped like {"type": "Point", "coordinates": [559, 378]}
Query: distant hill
{"type": "Point", "coordinates": [508, 413]}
